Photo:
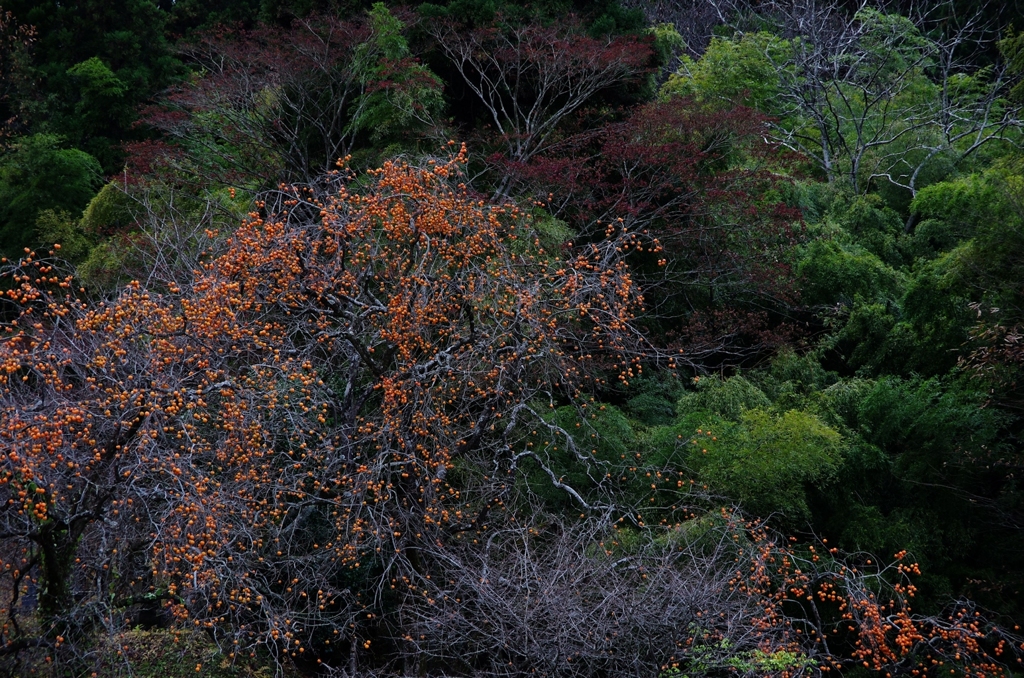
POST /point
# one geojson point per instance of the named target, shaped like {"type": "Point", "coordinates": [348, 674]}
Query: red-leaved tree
{"type": "Point", "coordinates": [705, 184]}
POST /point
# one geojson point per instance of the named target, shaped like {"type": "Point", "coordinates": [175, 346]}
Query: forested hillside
{"type": "Point", "coordinates": [580, 338]}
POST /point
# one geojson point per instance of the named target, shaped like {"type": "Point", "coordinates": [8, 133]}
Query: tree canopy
{"type": "Point", "coordinates": [579, 339]}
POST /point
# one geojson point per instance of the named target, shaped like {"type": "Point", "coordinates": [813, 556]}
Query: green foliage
{"type": "Point", "coordinates": [834, 272]}
{"type": "Point", "coordinates": [872, 111]}
{"type": "Point", "coordinates": [963, 203]}
{"type": "Point", "coordinates": [94, 242]}
{"type": "Point", "coordinates": [38, 174]}
{"type": "Point", "coordinates": [738, 443]}
{"type": "Point", "coordinates": [992, 262]}
{"type": "Point", "coordinates": [926, 423]}
{"type": "Point", "coordinates": [605, 434]}
{"type": "Point", "coordinates": [728, 398]}
{"type": "Point", "coordinates": [921, 331]}
{"type": "Point", "coordinates": [873, 338]}
{"type": "Point", "coordinates": [600, 434]}
{"type": "Point", "coordinates": [102, 270]}
{"type": "Point", "coordinates": [702, 532]}
{"type": "Point", "coordinates": [901, 300]}
{"type": "Point", "coordinates": [932, 237]}
{"type": "Point", "coordinates": [552, 233]}
{"type": "Point", "coordinates": [936, 306]}
{"type": "Point", "coordinates": [706, 658]}
{"type": "Point", "coordinates": [881, 465]}
{"type": "Point", "coordinates": [100, 111]}
{"type": "Point", "coordinates": [906, 477]}
{"type": "Point", "coordinates": [401, 94]}
{"type": "Point", "coordinates": [793, 381]}
{"type": "Point", "coordinates": [1011, 48]}
{"type": "Point", "coordinates": [739, 70]}
{"type": "Point", "coordinates": [108, 212]}
{"type": "Point", "coordinates": [94, 62]}
{"type": "Point", "coordinates": [654, 399]}
{"type": "Point", "coordinates": [667, 42]}
{"type": "Point", "coordinates": [61, 228]}
{"type": "Point", "coordinates": [873, 226]}
{"type": "Point", "coordinates": [765, 461]}
{"type": "Point", "coordinates": [893, 44]}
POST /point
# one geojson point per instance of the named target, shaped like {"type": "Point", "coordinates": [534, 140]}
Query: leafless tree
{"type": "Point", "coordinates": [869, 95]}
{"type": "Point", "coordinates": [529, 78]}
{"type": "Point", "coordinates": [695, 20]}
{"type": "Point", "coordinates": [583, 600]}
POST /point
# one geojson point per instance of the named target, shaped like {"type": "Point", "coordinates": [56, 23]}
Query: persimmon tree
{"type": "Point", "coordinates": [269, 449]}
{"type": "Point", "coordinates": [858, 613]}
